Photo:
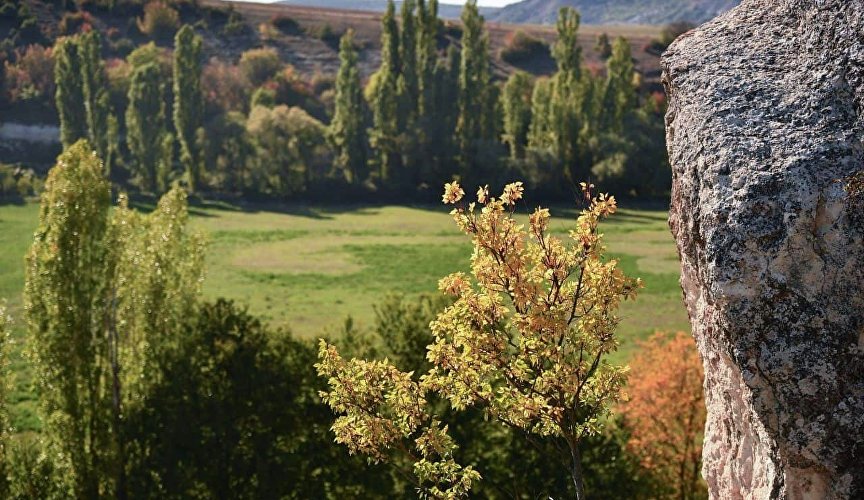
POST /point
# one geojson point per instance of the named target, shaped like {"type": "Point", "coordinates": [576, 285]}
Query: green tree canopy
{"type": "Point", "coordinates": [145, 125]}
{"type": "Point", "coordinates": [188, 101]}
{"type": "Point", "coordinates": [104, 292]}
{"type": "Point", "coordinates": [347, 131]}
{"type": "Point", "coordinates": [70, 91]}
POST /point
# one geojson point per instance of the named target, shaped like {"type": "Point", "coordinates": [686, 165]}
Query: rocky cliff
{"type": "Point", "coordinates": [765, 130]}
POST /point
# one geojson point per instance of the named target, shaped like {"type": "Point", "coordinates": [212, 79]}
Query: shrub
{"type": "Point", "coordinates": [32, 76]}
{"type": "Point", "coordinates": [74, 22]}
{"type": "Point", "coordinates": [603, 46]}
{"type": "Point", "coordinates": [326, 34]}
{"type": "Point", "coordinates": [150, 53]}
{"type": "Point", "coordinates": [666, 412]}
{"type": "Point", "coordinates": [235, 25]}
{"type": "Point", "coordinates": [321, 83]}
{"type": "Point", "coordinates": [225, 86]}
{"type": "Point", "coordinates": [236, 415]}
{"type": "Point", "coordinates": [667, 36]}
{"type": "Point", "coordinates": [290, 146]}
{"type": "Point", "coordinates": [285, 24]}
{"type": "Point", "coordinates": [160, 20]}
{"type": "Point", "coordinates": [122, 47]}
{"type": "Point", "coordinates": [521, 47]}
{"type": "Point", "coordinates": [259, 65]}
{"type": "Point", "coordinates": [263, 96]}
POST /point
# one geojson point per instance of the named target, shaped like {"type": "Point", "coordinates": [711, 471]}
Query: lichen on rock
{"type": "Point", "coordinates": [764, 131]}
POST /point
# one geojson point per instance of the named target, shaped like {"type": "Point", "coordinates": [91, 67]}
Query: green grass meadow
{"type": "Point", "coordinates": [309, 267]}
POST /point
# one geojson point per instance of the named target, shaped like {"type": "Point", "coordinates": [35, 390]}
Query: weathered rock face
{"type": "Point", "coordinates": [764, 130]}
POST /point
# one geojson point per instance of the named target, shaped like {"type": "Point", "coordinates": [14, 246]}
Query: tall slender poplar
{"type": "Point", "coordinates": [474, 85]}
{"type": "Point", "coordinates": [619, 93]}
{"type": "Point", "coordinates": [347, 132]}
{"type": "Point", "coordinates": [145, 123]}
{"type": "Point", "coordinates": [408, 84]}
{"type": "Point", "coordinates": [104, 292]}
{"type": "Point", "coordinates": [516, 105]}
{"type": "Point", "coordinates": [69, 97]}
{"type": "Point", "coordinates": [385, 127]}
{"type": "Point", "coordinates": [188, 102]}
{"type": "Point", "coordinates": [94, 86]}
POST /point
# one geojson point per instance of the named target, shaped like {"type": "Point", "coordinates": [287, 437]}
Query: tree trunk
{"type": "Point", "coordinates": [576, 470]}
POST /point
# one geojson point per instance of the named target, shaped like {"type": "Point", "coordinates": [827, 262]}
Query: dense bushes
{"type": "Point", "coordinates": [160, 20]}
{"type": "Point", "coordinates": [285, 24]}
{"type": "Point", "coordinates": [31, 76]}
{"type": "Point", "coordinates": [259, 65]}
{"type": "Point", "coordinates": [521, 47]}
{"type": "Point", "coordinates": [236, 415]}
{"type": "Point", "coordinates": [18, 183]}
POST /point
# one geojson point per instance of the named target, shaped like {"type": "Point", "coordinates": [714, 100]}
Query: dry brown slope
{"type": "Point", "coordinates": [311, 55]}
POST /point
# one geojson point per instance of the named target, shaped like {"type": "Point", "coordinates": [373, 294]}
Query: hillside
{"type": "Point", "coordinates": [310, 55]}
{"type": "Point", "coordinates": [596, 12]}
{"type": "Point", "coordinates": [445, 11]}
{"type": "Point", "coordinates": [616, 11]}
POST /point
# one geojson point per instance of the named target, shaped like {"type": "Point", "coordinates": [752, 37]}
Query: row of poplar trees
{"type": "Point", "coordinates": [411, 97]}
{"type": "Point", "coordinates": [425, 118]}
{"type": "Point", "coordinates": [153, 138]}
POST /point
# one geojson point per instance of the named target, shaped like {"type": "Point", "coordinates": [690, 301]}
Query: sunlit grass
{"type": "Point", "coordinates": [309, 267]}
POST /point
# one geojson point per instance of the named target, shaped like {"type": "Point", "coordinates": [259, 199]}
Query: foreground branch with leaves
{"type": "Point", "coordinates": [525, 340]}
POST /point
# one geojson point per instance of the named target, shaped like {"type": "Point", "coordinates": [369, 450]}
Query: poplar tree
{"type": "Point", "coordinates": [474, 83]}
{"type": "Point", "coordinates": [444, 113]}
{"type": "Point", "coordinates": [384, 100]}
{"type": "Point", "coordinates": [539, 133]}
{"type": "Point", "coordinates": [602, 46]}
{"type": "Point", "coordinates": [145, 122]}
{"type": "Point", "coordinates": [619, 93]}
{"type": "Point", "coordinates": [63, 300]}
{"type": "Point", "coordinates": [69, 97]}
{"type": "Point", "coordinates": [427, 55]}
{"type": "Point", "coordinates": [567, 99]}
{"type": "Point", "coordinates": [94, 84]}
{"type": "Point", "coordinates": [347, 132]}
{"type": "Point", "coordinates": [408, 85]}
{"type": "Point", "coordinates": [104, 292]}
{"type": "Point", "coordinates": [516, 104]}
{"type": "Point", "coordinates": [188, 101]}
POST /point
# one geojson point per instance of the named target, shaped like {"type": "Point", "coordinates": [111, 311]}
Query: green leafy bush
{"type": "Point", "coordinates": [259, 65]}
{"type": "Point", "coordinates": [160, 20]}
{"type": "Point", "coordinates": [17, 182]}
{"type": "Point", "coordinates": [521, 47]}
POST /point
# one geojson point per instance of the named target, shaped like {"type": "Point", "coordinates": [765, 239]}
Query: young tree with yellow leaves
{"type": "Point", "coordinates": [525, 340]}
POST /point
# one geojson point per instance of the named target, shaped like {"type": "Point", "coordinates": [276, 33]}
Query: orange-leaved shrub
{"type": "Point", "coordinates": [666, 412]}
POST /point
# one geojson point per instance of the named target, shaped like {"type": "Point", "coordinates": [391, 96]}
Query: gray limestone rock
{"type": "Point", "coordinates": [765, 133]}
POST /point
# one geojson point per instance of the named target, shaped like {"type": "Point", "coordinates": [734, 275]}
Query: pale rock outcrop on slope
{"type": "Point", "coordinates": [765, 130]}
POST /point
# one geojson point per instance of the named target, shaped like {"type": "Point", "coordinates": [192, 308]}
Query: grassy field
{"type": "Point", "coordinates": [309, 267]}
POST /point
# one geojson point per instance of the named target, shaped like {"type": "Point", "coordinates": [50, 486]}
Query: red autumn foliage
{"type": "Point", "coordinates": [666, 412]}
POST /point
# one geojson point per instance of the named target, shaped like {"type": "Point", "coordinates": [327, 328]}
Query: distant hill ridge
{"type": "Point", "coordinates": [615, 11]}
{"type": "Point", "coordinates": [445, 11]}
{"type": "Point", "coordinates": [546, 11]}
